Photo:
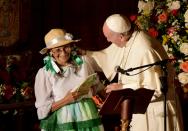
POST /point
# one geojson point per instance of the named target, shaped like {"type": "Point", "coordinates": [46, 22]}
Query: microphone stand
{"type": "Point", "coordinates": [164, 88]}
{"type": "Point", "coordinates": [163, 80]}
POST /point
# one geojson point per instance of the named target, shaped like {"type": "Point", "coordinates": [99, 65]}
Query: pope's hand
{"type": "Point", "coordinates": [113, 86]}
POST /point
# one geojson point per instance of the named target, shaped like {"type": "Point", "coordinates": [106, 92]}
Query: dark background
{"type": "Point", "coordinates": [82, 18]}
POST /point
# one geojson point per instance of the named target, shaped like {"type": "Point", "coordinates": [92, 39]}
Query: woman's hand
{"type": "Point", "coordinates": [72, 96]}
{"type": "Point", "coordinates": [69, 98]}
{"type": "Point", "coordinates": [113, 86]}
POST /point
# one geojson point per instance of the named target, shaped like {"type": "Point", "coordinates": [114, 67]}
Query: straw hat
{"type": "Point", "coordinates": [55, 38]}
{"type": "Point", "coordinates": [118, 23]}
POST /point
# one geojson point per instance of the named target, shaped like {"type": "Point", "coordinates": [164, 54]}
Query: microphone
{"type": "Point", "coordinates": [122, 71]}
{"type": "Point", "coordinates": [119, 69]}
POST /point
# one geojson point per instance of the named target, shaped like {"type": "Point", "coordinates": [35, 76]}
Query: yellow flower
{"type": "Point", "coordinates": [165, 39]}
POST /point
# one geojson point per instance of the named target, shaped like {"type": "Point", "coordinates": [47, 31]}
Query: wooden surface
{"type": "Point", "coordinates": [17, 105]}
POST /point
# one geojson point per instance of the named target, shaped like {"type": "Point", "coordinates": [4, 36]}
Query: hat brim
{"type": "Point", "coordinates": [60, 43]}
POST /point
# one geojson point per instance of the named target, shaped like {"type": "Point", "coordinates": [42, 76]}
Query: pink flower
{"type": "Point", "coordinates": [174, 12]}
{"type": "Point", "coordinates": [133, 17]}
{"type": "Point", "coordinates": [162, 18]}
{"type": "Point", "coordinates": [184, 66]}
{"type": "Point", "coordinates": [171, 30]}
{"type": "Point", "coordinates": [153, 32]}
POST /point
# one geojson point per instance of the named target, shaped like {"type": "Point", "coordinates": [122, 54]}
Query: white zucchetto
{"type": "Point", "coordinates": [118, 23]}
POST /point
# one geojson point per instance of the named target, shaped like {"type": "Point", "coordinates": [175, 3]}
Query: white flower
{"type": "Point", "coordinates": [184, 48]}
{"type": "Point", "coordinates": [183, 77]}
{"type": "Point", "coordinates": [175, 37]}
{"type": "Point", "coordinates": [140, 6]}
{"type": "Point", "coordinates": [186, 25]}
{"type": "Point", "coordinates": [186, 16]}
{"type": "Point", "coordinates": [178, 43]}
{"type": "Point", "coordinates": [68, 36]}
{"type": "Point", "coordinates": [180, 61]}
{"type": "Point", "coordinates": [173, 5]}
{"type": "Point", "coordinates": [170, 49]}
{"type": "Point", "coordinates": [175, 23]}
{"type": "Point", "coordinates": [165, 47]}
{"type": "Point", "coordinates": [146, 7]}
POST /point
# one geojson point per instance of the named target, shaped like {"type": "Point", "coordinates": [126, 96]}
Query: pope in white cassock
{"type": "Point", "coordinates": [133, 48]}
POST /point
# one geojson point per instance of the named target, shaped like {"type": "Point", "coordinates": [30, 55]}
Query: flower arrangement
{"type": "Point", "coordinates": [167, 20]}
{"type": "Point", "coordinates": [15, 85]}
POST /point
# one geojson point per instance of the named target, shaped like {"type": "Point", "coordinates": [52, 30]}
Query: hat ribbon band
{"type": "Point", "coordinates": [55, 40]}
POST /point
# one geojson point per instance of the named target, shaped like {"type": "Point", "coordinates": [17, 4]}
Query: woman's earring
{"type": "Point", "coordinates": [51, 55]}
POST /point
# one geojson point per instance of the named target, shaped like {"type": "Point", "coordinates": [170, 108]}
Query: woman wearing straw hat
{"type": "Point", "coordinates": [58, 108]}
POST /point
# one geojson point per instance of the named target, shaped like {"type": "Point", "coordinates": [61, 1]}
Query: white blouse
{"type": "Point", "coordinates": [51, 87]}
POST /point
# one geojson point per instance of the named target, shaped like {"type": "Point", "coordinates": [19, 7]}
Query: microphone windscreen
{"type": "Point", "coordinates": [117, 68]}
